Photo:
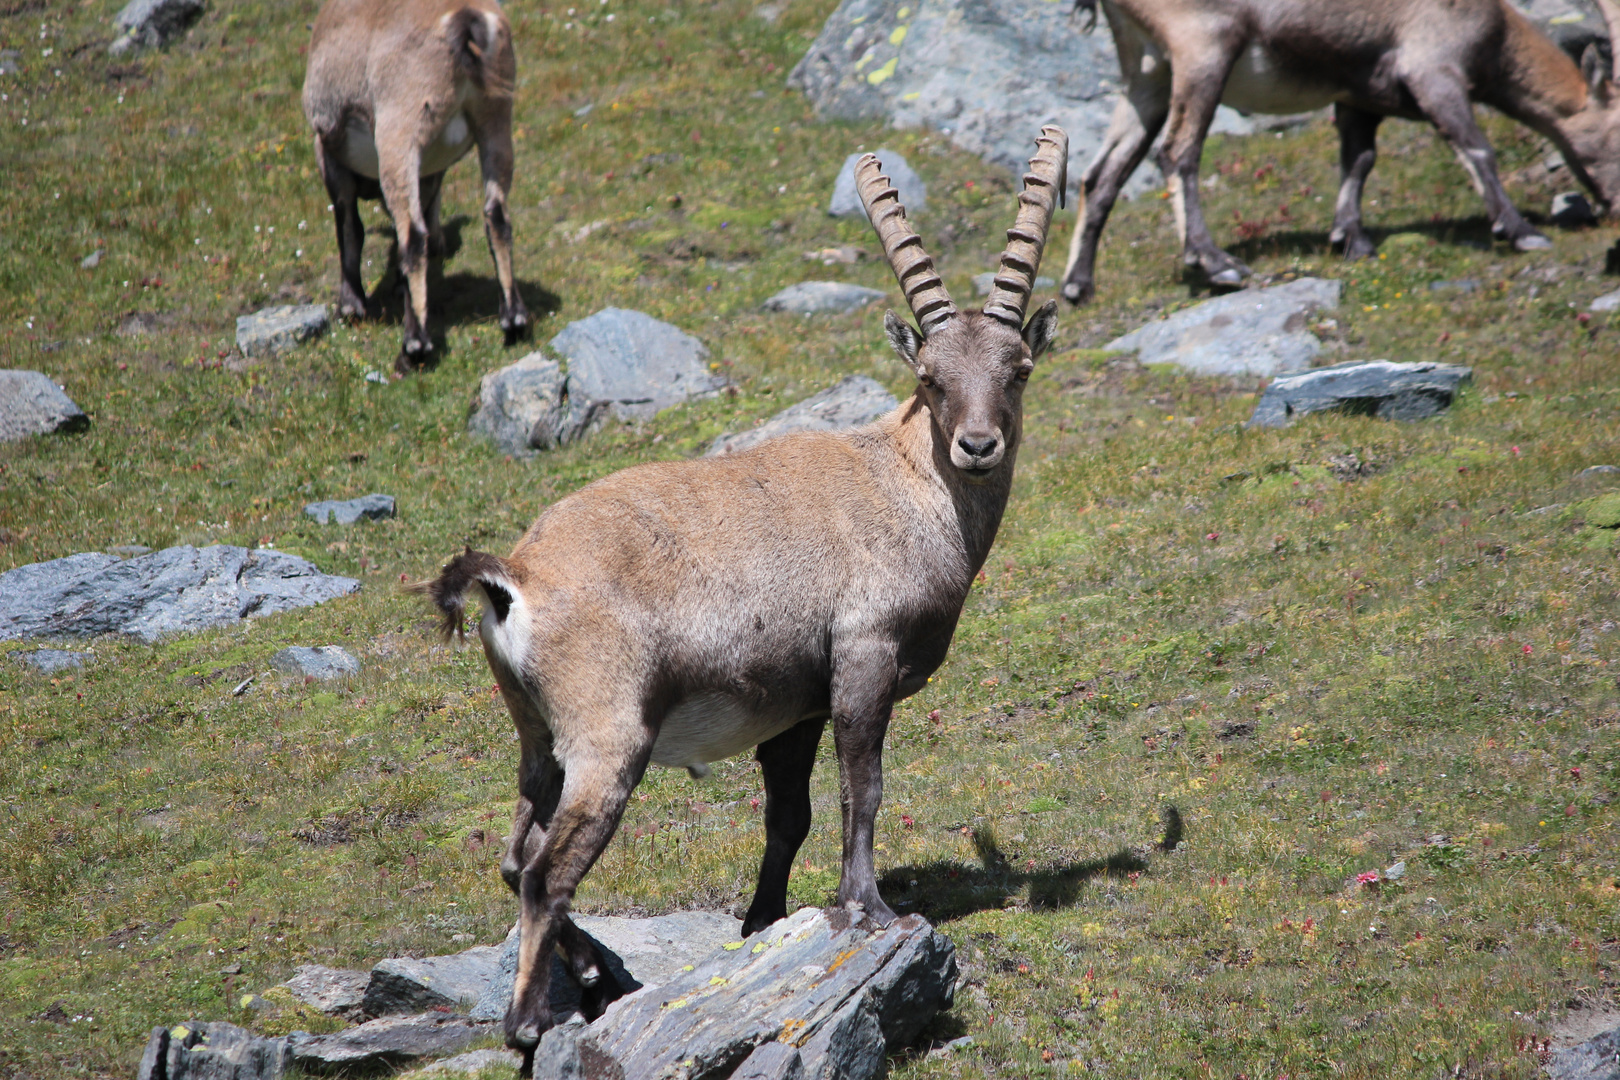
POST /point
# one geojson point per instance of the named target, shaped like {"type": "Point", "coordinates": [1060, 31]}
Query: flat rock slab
{"type": "Point", "coordinates": [846, 202]}
{"type": "Point", "coordinates": [169, 591]}
{"type": "Point", "coordinates": [320, 662]}
{"type": "Point", "coordinates": [839, 996]}
{"type": "Point", "coordinates": [407, 985]}
{"type": "Point", "coordinates": [277, 329]}
{"type": "Point", "coordinates": [371, 507]}
{"type": "Point", "coordinates": [1251, 332]}
{"type": "Point", "coordinates": [473, 1061]}
{"type": "Point", "coordinates": [331, 990]}
{"type": "Point", "coordinates": [50, 661]}
{"type": "Point", "coordinates": [154, 23]}
{"type": "Point", "coordinates": [633, 364]}
{"type": "Point", "coordinates": [212, 1051]}
{"type": "Point", "coordinates": [389, 1041]}
{"type": "Point", "coordinates": [31, 404]}
{"type": "Point", "coordinates": [1381, 388]}
{"type": "Point", "coordinates": [524, 407]}
{"type": "Point", "coordinates": [811, 297]}
{"type": "Point", "coordinates": [854, 401]}
{"type": "Point", "coordinates": [983, 282]}
{"type": "Point", "coordinates": [1595, 1059]}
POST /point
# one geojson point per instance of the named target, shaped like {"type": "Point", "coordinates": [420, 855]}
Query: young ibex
{"type": "Point", "coordinates": [1417, 59]}
{"type": "Point", "coordinates": [682, 612]}
{"type": "Point", "coordinates": [397, 93]}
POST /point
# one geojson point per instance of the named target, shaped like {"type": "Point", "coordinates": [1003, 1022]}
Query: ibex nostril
{"type": "Point", "coordinates": [977, 448]}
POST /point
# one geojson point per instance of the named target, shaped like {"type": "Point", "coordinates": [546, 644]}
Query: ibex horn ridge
{"type": "Point", "coordinates": [1043, 193]}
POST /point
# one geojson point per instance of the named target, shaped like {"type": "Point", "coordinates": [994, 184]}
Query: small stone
{"type": "Point", "coordinates": [982, 283]}
{"type": "Point", "coordinates": [1250, 332]}
{"type": "Point", "coordinates": [277, 329]}
{"type": "Point", "coordinates": [524, 407]}
{"type": "Point", "coordinates": [1597, 470]}
{"type": "Point", "coordinates": [1597, 1058]}
{"type": "Point", "coordinates": [1571, 210]}
{"type": "Point", "coordinates": [633, 364]}
{"type": "Point", "coordinates": [50, 661]}
{"type": "Point", "coordinates": [9, 62]}
{"type": "Point", "coordinates": [847, 203]}
{"type": "Point", "coordinates": [809, 297]}
{"type": "Point", "coordinates": [853, 401]}
{"type": "Point", "coordinates": [321, 662]}
{"type": "Point", "coordinates": [128, 551]}
{"type": "Point", "coordinates": [372, 507]}
{"type": "Point", "coordinates": [331, 990]}
{"type": "Point", "coordinates": [31, 404]}
{"type": "Point", "coordinates": [1396, 872]}
{"type": "Point", "coordinates": [405, 985]}
{"type": "Point", "coordinates": [154, 23]}
{"type": "Point", "coordinates": [392, 1040]}
{"type": "Point", "coordinates": [1381, 388]}
{"type": "Point", "coordinates": [1606, 302]}
{"type": "Point", "coordinates": [92, 260]}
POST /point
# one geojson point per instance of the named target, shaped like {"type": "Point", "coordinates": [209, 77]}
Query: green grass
{"type": "Point", "coordinates": [1325, 675]}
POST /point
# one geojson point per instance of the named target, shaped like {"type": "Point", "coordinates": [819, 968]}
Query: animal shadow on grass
{"type": "Point", "coordinates": [1472, 232]}
{"type": "Point", "coordinates": [945, 890]}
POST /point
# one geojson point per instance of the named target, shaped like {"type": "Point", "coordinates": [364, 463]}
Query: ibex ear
{"type": "Point", "coordinates": [1041, 329]}
{"type": "Point", "coordinates": [1595, 72]}
{"type": "Point", "coordinates": [904, 340]}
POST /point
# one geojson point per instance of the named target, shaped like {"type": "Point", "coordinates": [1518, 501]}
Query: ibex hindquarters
{"type": "Point", "coordinates": [681, 612]}
{"type": "Point", "coordinates": [397, 93]}
{"type": "Point", "coordinates": [1416, 59]}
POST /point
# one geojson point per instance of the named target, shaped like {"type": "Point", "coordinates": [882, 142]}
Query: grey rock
{"type": "Point", "coordinates": [169, 591]}
{"type": "Point", "coordinates": [853, 401]}
{"type": "Point", "coordinates": [1592, 471]}
{"type": "Point", "coordinates": [1606, 302]}
{"type": "Point", "coordinates": [154, 23]}
{"type": "Point", "coordinates": [1462, 285]}
{"type": "Point", "coordinates": [524, 407]}
{"type": "Point", "coordinates": [277, 329]}
{"type": "Point", "coordinates": [389, 1041]}
{"type": "Point", "coordinates": [321, 662]}
{"type": "Point", "coordinates": [844, 992]}
{"type": "Point", "coordinates": [92, 260]}
{"type": "Point", "coordinates": [846, 202]}
{"type": "Point", "coordinates": [473, 1061]}
{"type": "Point", "coordinates": [10, 62]}
{"type": "Point", "coordinates": [1381, 388]}
{"type": "Point", "coordinates": [633, 364]}
{"type": "Point", "coordinates": [371, 507]}
{"type": "Point", "coordinates": [50, 661]}
{"type": "Point", "coordinates": [407, 985]}
{"type": "Point", "coordinates": [983, 282]}
{"type": "Point", "coordinates": [1396, 871]}
{"type": "Point", "coordinates": [638, 952]}
{"type": "Point", "coordinates": [1251, 332]}
{"type": "Point", "coordinates": [809, 297]}
{"type": "Point", "coordinates": [772, 1061]}
{"type": "Point", "coordinates": [1571, 210]}
{"type": "Point", "coordinates": [212, 1051]}
{"type": "Point", "coordinates": [1597, 1058]}
{"type": "Point", "coordinates": [331, 990]}
{"type": "Point", "coordinates": [31, 404]}
{"type": "Point", "coordinates": [1572, 24]}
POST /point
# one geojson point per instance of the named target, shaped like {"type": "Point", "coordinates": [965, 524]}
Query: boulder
{"type": "Point", "coordinates": [169, 591]}
{"type": "Point", "coordinates": [152, 24]}
{"type": "Point", "coordinates": [321, 662]}
{"type": "Point", "coordinates": [1572, 24]}
{"type": "Point", "coordinates": [31, 404]}
{"type": "Point", "coordinates": [810, 297]}
{"type": "Point", "coordinates": [632, 364]}
{"type": "Point", "coordinates": [854, 401]}
{"type": "Point", "coordinates": [1250, 332]}
{"type": "Point", "coordinates": [846, 202]}
{"type": "Point", "coordinates": [331, 990]}
{"type": "Point", "coordinates": [371, 507]}
{"type": "Point", "coordinates": [983, 282]}
{"type": "Point", "coordinates": [1595, 1059]}
{"type": "Point", "coordinates": [212, 1051]}
{"type": "Point", "coordinates": [50, 661]}
{"type": "Point", "coordinates": [523, 407]}
{"type": "Point", "coordinates": [1381, 388]}
{"type": "Point", "coordinates": [406, 985]}
{"type": "Point", "coordinates": [389, 1041]}
{"type": "Point", "coordinates": [277, 329]}
{"type": "Point", "coordinates": [842, 992]}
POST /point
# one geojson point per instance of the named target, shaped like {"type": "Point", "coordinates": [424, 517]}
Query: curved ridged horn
{"type": "Point", "coordinates": [1043, 192]}
{"type": "Point", "coordinates": [925, 293]}
{"type": "Point", "coordinates": [1611, 18]}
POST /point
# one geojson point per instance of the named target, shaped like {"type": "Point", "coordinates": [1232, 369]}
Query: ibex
{"type": "Point", "coordinates": [397, 92]}
{"type": "Point", "coordinates": [1416, 59]}
{"type": "Point", "coordinates": [682, 612]}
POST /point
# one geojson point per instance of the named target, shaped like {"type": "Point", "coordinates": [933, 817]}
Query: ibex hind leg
{"type": "Point", "coordinates": [343, 187]}
{"type": "Point", "coordinates": [1137, 121]}
{"type": "Point", "coordinates": [495, 158]}
{"type": "Point", "coordinates": [1358, 153]}
{"type": "Point", "coordinates": [785, 763]}
{"type": "Point", "coordinates": [1195, 92]}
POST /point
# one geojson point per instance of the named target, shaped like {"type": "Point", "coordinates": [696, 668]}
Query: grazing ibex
{"type": "Point", "coordinates": [397, 92]}
{"type": "Point", "coordinates": [1416, 59]}
{"type": "Point", "coordinates": [686, 611]}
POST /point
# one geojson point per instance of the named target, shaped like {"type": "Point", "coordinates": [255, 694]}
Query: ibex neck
{"type": "Point", "coordinates": [973, 506]}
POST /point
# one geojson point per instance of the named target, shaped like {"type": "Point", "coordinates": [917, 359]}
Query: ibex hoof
{"type": "Point", "coordinates": [1229, 277]}
{"type": "Point", "coordinates": [1076, 293]}
{"type": "Point", "coordinates": [526, 1037]}
{"type": "Point", "coordinates": [1532, 242]}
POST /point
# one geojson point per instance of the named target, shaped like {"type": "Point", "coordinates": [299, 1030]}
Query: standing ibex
{"type": "Point", "coordinates": [682, 612]}
{"type": "Point", "coordinates": [1417, 59]}
{"type": "Point", "coordinates": [397, 92]}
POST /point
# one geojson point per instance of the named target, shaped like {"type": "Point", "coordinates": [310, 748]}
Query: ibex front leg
{"type": "Point", "coordinates": [786, 762]}
{"type": "Point", "coordinates": [342, 187]}
{"type": "Point", "coordinates": [862, 700]}
{"type": "Point", "coordinates": [1358, 152]}
{"type": "Point", "coordinates": [1196, 82]}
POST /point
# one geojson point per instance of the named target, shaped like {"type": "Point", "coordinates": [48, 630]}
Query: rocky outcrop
{"type": "Point", "coordinates": [1595, 1059]}
{"type": "Point", "coordinates": [277, 329]}
{"type": "Point", "coordinates": [212, 1051]}
{"type": "Point", "coordinates": [31, 404]}
{"type": "Point", "coordinates": [389, 1041]}
{"type": "Point", "coordinates": [336, 991]}
{"type": "Point", "coordinates": [846, 202]}
{"type": "Point", "coordinates": [169, 591]}
{"type": "Point", "coordinates": [1250, 332]}
{"type": "Point", "coordinates": [373, 507]}
{"type": "Point", "coordinates": [811, 297]}
{"type": "Point", "coordinates": [152, 24]}
{"type": "Point", "coordinates": [320, 662]}
{"type": "Point", "coordinates": [1381, 388]}
{"type": "Point", "coordinates": [853, 401]}
{"type": "Point", "coordinates": [455, 982]}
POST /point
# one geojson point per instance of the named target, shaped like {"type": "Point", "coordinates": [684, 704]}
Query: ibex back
{"type": "Point", "coordinates": [682, 612]}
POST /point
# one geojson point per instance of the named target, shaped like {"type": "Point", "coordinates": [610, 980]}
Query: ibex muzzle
{"type": "Point", "coordinates": [681, 612]}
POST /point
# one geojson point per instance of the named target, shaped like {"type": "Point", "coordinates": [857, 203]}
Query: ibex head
{"type": "Point", "coordinates": [972, 366]}
{"type": "Point", "coordinates": [1594, 131]}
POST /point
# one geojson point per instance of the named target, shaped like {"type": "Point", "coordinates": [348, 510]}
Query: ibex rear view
{"type": "Point", "coordinates": [682, 612]}
{"type": "Point", "coordinates": [398, 92]}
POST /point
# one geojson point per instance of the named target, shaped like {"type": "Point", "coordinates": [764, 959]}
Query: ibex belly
{"type": "Point", "coordinates": [1258, 84]}
{"type": "Point", "coordinates": [711, 727]}
{"type": "Point", "coordinates": [446, 147]}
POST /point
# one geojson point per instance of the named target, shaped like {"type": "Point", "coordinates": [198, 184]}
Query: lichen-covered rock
{"type": "Point", "coordinates": [846, 201]}
{"type": "Point", "coordinates": [1381, 388]}
{"type": "Point", "coordinates": [169, 591]}
{"type": "Point", "coordinates": [31, 404]}
{"type": "Point", "coordinates": [331, 990]}
{"type": "Point", "coordinates": [277, 329]}
{"type": "Point", "coordinates": [406, 985]}
{"type": "Point", "coordinates": [633, 364]}
{"type": "Point", "coordinates": [320, 662]}
{"type": "Point", "coordinates": [810, 297]}
{"type": "Point", "coordinates": [152, 24]}
{"type": "Point", "coordinates": [212, 1051]}
{"type": "Point", "coordinates": [853, 401]}
{"type": "Point", "coordinates": [1597, 1058]}
{"type": "Point", "coordinates": [389, 1041]}
{"type": "Point", "coordinates": [373, 507]}
{"type": "Point", "coordinates": [1250, 332]}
